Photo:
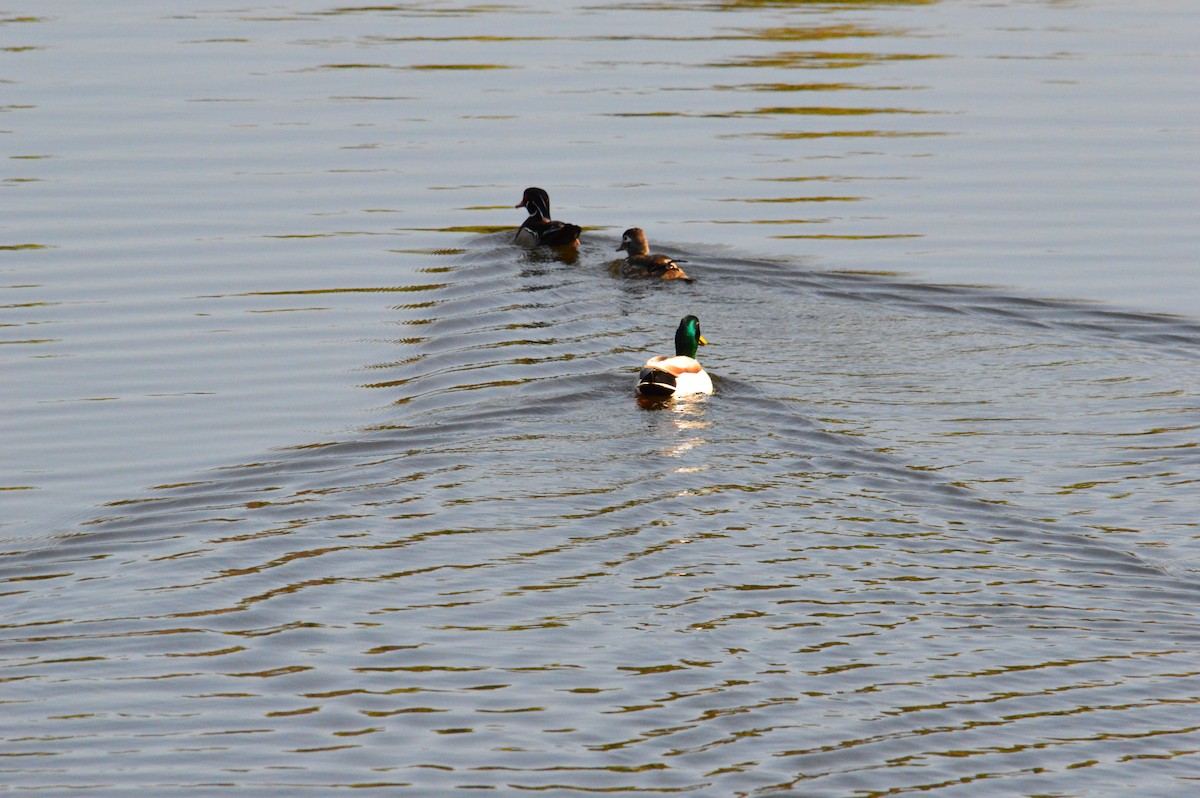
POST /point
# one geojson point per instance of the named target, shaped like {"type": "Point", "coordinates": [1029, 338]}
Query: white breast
{"type": "Point", "coordinates": [693, 382]}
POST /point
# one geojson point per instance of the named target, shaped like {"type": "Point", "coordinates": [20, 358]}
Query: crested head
{"type": "Point", "coordinates": [536, 201]}
{"type": "Point", "coordinates": [688, 337]}
{"type": "Point", "coordinates": [634, 242]}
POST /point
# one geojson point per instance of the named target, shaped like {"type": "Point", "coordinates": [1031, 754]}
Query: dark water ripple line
{"type": "Point", "coordinates": [889, 486]}
{"type": "Point", "coordinates": [1178, 335]}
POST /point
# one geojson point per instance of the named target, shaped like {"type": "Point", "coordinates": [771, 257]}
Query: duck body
{"type": "Point", "coordinates": [663, 379]}
{"type": "Point", "coordinates": [536, 231]}
{"type": "Point", "coordinates": [665, 376]}
{"type": "Point", "coordinates": [641, 263]}
{"type": "Point", "coordinates": [538, 228]}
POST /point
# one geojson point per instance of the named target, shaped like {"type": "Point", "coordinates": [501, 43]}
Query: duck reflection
{"type": "Point", "coordinates": [683, 420]}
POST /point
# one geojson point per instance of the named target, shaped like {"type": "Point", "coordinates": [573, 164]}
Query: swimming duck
{"type": "Point", "coordinates": [641, 263]}
{"type": "Point", "coordinates": [538, 227]}
{"type": "Point", "coordinates": [664, 377]}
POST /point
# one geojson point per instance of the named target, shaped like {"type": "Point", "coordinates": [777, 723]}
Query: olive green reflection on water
{"type": "Point", "coordinates": [418, 9]}
{"type": "Point", "coordinates": [774, 111]}
{"type": "Point", "coordinates": [795, 87]}
{"type": "Point", "coordinates": [818, 33]}
{"type": "Point", "coordinates": [818, 198]}
{"type": "Point", "coordinates": [418, 67]}
{"type": "Point", "coordinates": [822, 60]}
{"type": "Point", "coordinates": [840, 134]}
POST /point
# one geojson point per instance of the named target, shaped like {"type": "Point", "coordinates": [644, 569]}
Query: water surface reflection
{"type": "Point", "coordinates": [525, 580]}
{"type": "Point", "coordinates": [407, 525]}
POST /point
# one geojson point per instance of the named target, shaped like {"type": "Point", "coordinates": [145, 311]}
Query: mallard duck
{"type": "Point", "coordinates": [664, 376]}
{"type": "Point", "coordinates": [641, 263]}
{"type": "Point", "coordinates": [538, 227]}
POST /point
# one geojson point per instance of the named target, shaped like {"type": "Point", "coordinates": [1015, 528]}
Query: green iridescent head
{"type": "Point", "coordinates": [688, 337]}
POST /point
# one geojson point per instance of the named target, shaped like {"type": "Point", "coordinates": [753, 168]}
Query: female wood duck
{"type": "Point", "coordinates": [538, 228]}
{"type": "Point", "coordinates": [641, 263]}
{"type": "Point", "coordinates": [663, 377]}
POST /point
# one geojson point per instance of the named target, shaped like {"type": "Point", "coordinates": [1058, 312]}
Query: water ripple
{"type": "Point", "coordinates": [530, 583]}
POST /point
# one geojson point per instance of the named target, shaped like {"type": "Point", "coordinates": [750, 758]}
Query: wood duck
{"type": "Point", "coordinates": [538, 228]}
{"type": "Point", "coordinates": [663, 377]}
{"type": "Point", "coordinates": [641, 263]}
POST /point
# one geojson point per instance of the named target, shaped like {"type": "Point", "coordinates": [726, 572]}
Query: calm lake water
{"type": "Point", "coordinates": [313, 482]}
